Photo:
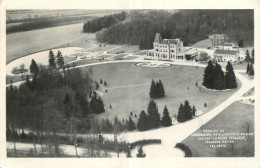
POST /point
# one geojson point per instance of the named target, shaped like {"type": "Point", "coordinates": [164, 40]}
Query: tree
{"type": "Point", "coordinates": [205, 104]}
{"type": "Point", "coordinates": [153, 90]}
{"type": "Point", "coordinates": [253, 56]}
{"type": "Point", "coordinates": [153, 115]}
{"type": "Point", "coordinates": [230, 77]}
{"type": "Point", "coordinates": [251, 70]}
{"type": "Point", "coordinates": [194, 111]}
{"type": "Point", "coordinates": [34, 68]}
{"type": "Point", "coordinates": [142, 123]}
{"type": "Point", "coordinates": [140, 153]}
{"type": "Point", "coordinates": [131, 125]}
{"type": "Point", "coordinates": [185, 112]}
{"type": "Point", "coordinates": [219, 78]}
{"type": "Point", "coordinates": [52, 62]}
{"type": "Point", "coordinates": [247, 68]}
{"type": "Point", "coordinates": [247, 56]}
{"type": "Point", "coordinates": [101, 81]}
{"type": "Point", "coordinates": [96, 104]}
{"type": "Point", "coordinates": [67, 106]}
{"type": "Point", "coordinates": [166, 119]}
{"type": "Point", "coordinates": [60, 60]}
{"type": "Point", "coordinates": [208, 78]}
{"type": "Point", "coordinates": [160, 89]}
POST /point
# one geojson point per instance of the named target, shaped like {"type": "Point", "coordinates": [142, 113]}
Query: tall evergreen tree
{"type": "Point", "coordinates": [230, 77]}
{"type": "Point", "coordinates": [187, 110]}
{"type": "Point", "coordinates": [181, 114]}
{"type": "Point", "coordinates": [219, 78]}
{"type": "Point", "coordinates": [160, 89]}
{"type": "Point", "coordinates": [247, 68]}
{"type": "Point", "coordinates": [153, 90]}
{"type": "Point", "coordinates": [194, 111]}
{"type": "Point", "coordinates": [131, 124]}
{"type": "Point", "coordinates": [52, 61]}
{"type": "Point", "coordinates": [60, 60]}
{"type": "Point", "coordinates": [153, 115]}
{"type": "Point", "coordinates": [166, 119]}
{"type": "Point", "coordinates": [34, 68]}
{"type": "Point", "coordinates": [253, 56]}
{"type": "Point", "coordinates": [142, 123]}
{"type": "Point", "coordinates": [251, 70]}
{"type": "Point", "coordinates": [247, 56]}
{"type": "Point", "coordinates": [208, 79]}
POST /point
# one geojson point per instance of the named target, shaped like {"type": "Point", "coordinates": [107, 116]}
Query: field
{"type": "Point", "coordinates": [24, 43]}
{"type": "Point", "coordinates": [128, 88]}
{"type": "Point", "coordinates": [242, 116]}
{"type": "Point", "coordinates": [23, 14]}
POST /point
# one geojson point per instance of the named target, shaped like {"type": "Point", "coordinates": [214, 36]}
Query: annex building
{"type": "Point", "coordinates": [222, 55]}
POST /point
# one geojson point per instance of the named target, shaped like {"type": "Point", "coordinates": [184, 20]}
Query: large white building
{"type": "Point", "coordinates": [166, 49]}
{"type": "Point", "coordinates": [226, 55]}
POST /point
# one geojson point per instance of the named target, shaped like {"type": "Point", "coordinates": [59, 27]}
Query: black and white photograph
{"type": "Point", "coordinates": [128, 83]}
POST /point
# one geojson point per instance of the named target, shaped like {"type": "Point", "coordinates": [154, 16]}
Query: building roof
{"type": "Point", "coordinates": [158, 38]}
{"type": "Point", "coordinates": [228, 52]}
{"type": "Point", "coordinates": [170, 41]}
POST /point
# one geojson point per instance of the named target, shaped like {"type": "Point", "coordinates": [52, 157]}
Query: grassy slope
{"type": "Point", "coordinates": [176, 79]}
{"type": "Point", "coordinates": [232, 120]}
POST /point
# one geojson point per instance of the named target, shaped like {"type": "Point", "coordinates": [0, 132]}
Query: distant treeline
{"type": "Point", "coordinates": [189, 25]}
{"type": "Point", "coordinates": [103, 22]}
{"type": "Point", "coordinates": [46, 22]}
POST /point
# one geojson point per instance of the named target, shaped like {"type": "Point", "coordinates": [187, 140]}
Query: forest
{"type": "Point", "coordinates": [189, 25]}
{"type": "Point", "coordinates": [103, 22]}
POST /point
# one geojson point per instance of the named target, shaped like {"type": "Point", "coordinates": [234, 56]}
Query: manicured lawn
{"type": "Point", "coordinates": [129, 85]}
{"type": "Point", "coordinates": [234, 119]}
{"type": "Point", "coordinates": [69, 59]}
{"type": "Point", "coordinates": [103, 56]}
{"type": "Point", "coordinates": [103, 48]}
{"type": "Point", "coordinates": [125, 49]}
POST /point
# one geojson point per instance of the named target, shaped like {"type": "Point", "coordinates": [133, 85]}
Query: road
{"type": "Point", "coordinates": [177, 133]}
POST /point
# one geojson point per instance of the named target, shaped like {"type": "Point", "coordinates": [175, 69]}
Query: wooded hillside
{"type": "Point", "coordinates": [189, 25]}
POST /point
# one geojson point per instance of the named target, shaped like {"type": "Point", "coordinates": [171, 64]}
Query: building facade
{"type": "Point", "coordinates": [226, 55]}
{"type": "Point", "coordinates": [165, 49]}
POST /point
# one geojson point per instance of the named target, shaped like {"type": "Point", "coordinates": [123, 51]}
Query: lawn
{"type": "Point", "coordinates": [25, 43]}
{"type": "Point", "coordinates": [234, 119]}
{"type": "Point", "coordinates": [69, 59]}
{"type": "Point", "coordinates": [125, 49]}
{"type": "Point", "coordinates": [129, 85]}
{"type": "Point", "coordinates": [119, 57]}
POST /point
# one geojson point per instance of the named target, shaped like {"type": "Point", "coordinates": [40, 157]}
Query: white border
{"type": "Point", "coordinates": [128, 4]}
